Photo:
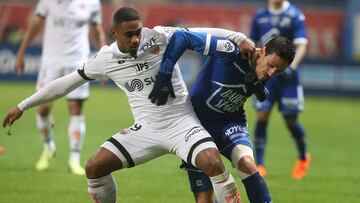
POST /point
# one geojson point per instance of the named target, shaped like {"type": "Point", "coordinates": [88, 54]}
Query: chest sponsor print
{"type": "Point", "coordinates": [227, 98]}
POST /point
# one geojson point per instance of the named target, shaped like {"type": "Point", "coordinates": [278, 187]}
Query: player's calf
{"type": "Point", "coordinates": [256, 188]}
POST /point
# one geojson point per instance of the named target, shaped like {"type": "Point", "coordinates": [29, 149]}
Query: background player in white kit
{"type": "Point", "coordinates": [65, 48]}
{"type": "Point", "coordinates": [132, 62]}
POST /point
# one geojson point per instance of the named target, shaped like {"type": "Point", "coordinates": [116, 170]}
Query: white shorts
{"type": "Point", "coordinates": [52, 71]}
{"type": "Point", "coordinates": [140, 143]}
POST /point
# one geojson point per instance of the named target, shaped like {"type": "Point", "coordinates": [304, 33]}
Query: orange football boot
{"type": "Point", "coordinates": [301, 167]}
{"type": "Point", "coordinates": [261, 169]}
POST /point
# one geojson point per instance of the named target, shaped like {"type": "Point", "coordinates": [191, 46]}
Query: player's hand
{"type": "Point", "coordinates": [261, 92]}
{"type": "Point", "coordinates": [14, 114]}
{"type": "Point", "coordinates": [288, 75]}
{"type": "Point", "coordinates": [19, 64]}
{"type": "Point", "coordinates": [247, 48]}
{"type": "Point", "coordinates": [161, 90]}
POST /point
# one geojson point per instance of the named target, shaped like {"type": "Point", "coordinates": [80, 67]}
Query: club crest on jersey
{"type": "Point", "coordinates": [225, 46]}
{"type": "Point", "coordinates": [155, 49]}
{"type": "Point", "coordinates": [124, 132]}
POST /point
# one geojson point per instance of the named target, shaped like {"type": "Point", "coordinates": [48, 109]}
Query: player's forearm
{"type": "Point", "coordinates": [32, 31]}
{"type": "Point", "coordinates": [99, 35]}
{"type": "Point", "coordinates": [237, 37]}
{"type": "Point", "coordinates": [299, 55]}
{"type": "Point", "coordinates": [53, 91]}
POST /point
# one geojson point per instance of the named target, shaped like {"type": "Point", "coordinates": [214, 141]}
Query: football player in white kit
{"type": "Point", "coordinates": [65, 48]}
{"type": "Point", "coordinates": [132, 62]}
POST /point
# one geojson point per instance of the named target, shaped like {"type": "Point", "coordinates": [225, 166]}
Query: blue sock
{"type": "Point", "coordinates": [298, 134]}
{"type": "Point", "coordinates": [256, 189]}
{"type": "Point", "coordinates": [260, 141]}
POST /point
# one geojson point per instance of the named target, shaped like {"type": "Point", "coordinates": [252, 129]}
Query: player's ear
{"type": "Point", "coordinates": [113, 33]}
{"type": "Point", "coordinates": [262, 50]}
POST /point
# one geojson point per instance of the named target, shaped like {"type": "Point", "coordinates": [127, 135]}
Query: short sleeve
{"type": "Point", "coordinates": [168, 31]}
{"type": "Point", "coordinates": [299, 35]}
{"type": "Point", "coordinates": [94, 68]}
{"type": "Point", "coordinates": [41, 9]}
{"type": "Point", "coordinates": [96, 13]}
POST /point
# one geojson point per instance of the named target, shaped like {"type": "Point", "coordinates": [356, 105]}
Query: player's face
{"type": "Point", "coordinates": [269, 65]}
{"type": "Point", "coordinates": [127, 35]}
{"type": "Point", "coordinates": [276, 3]}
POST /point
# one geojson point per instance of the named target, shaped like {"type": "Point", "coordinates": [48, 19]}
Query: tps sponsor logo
{"type": "Point", "coordinates": [137, 84]}
{"type": "Point", "coordinates": [139, 67]}
{"type": "Point", "coordinates": [193, 131]}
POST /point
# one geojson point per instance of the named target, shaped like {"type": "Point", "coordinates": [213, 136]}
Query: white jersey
{"type": "Point", "coordinates": [136, 76]}
{"type": "Point", "coordinates": [67, 28]}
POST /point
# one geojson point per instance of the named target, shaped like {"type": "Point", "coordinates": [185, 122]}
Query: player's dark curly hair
{"type": "Point", "coordinates": [125, 14]}
{"type": "Point", "coordinates": [282, 46]}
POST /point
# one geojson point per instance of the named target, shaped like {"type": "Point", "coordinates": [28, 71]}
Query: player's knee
{"type": "Point", "coordinates": [242, 158]}
{"type": "Point", "coordinates": [75, 107]}
{"type": "Point", "coordinates": [44, 110]}
{"type": "Point", "coordinates": [247, 165]}
{"type": "Point", "coordinates": [209, 162]}
{"type": "Point", "coordinates": [94, 170]}
{"type": "Point", "coordinates": [262, 116]}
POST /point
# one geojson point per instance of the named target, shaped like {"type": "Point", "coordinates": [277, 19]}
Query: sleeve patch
{"type": "Point", "coordinates": [225, 46]}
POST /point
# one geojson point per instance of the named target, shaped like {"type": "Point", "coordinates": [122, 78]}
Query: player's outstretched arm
{"type": "Point", "coordinates": [246, 46]}
{"type": "Point", "coordinates": [50, 92]}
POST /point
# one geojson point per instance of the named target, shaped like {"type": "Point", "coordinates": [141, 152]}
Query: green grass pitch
{"type": "Point", "coordinates": [332, 125]}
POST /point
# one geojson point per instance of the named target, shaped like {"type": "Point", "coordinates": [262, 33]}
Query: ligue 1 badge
{"type": "Point", "coordinates": [250, 77]}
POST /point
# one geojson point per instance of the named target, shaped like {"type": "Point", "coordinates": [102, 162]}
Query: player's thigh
{"type": "Point", "coordinates": [229, 135]}
{"type": "Point", "coordinates": [188, 138]}
{"type": "Point", "coordinates": [292, 99]}
{"type": "Point", "coordinates": [135, 145]}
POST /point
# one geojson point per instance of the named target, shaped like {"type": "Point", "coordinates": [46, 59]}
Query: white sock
{"type": "Point", "coordinates": [103, 190]}
{"type": "Point", "coordinates": [76, 133]}
{"type": "Point", "coordinates": [45, 124]}
{"type": "Point", "coordinates": [225, 188]}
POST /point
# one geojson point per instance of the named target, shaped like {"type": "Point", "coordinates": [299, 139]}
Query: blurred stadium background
{"type": "Point", "coordinates": [330, 74]}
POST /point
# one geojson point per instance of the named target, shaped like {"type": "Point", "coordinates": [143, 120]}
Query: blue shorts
{"type": "Point", "coordinates": [227, 134]}
{"type": "Point", "coordinates": [289, 95]}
